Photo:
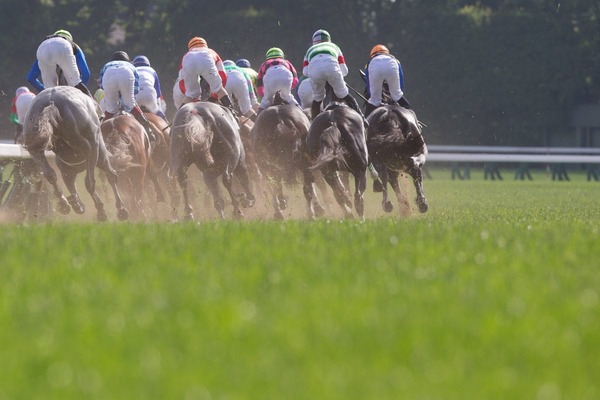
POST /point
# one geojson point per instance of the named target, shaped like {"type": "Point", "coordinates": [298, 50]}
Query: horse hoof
{"type": "Point", "coordinates": [188, 217]}
{"type": "Point", "coordinates": [282, 202]}
{"type": "Point", "coordinates": [123, 214]}
{"type": "Point", "coordinates": [102, 217]}
{"type": "Point", "coordinates": [63, 207]}
{"type": "Point", "coordinates": [247, 202]}
{"type": "Point", "coordinates": [388, 207]}
{"type": "Point", "coordinates": [279, 216]}
{"type": "Point", "coordinates": [319, 210]}
{"type": "Point", "coordinates": [377, 186]}
{"type": "Point", "coordinates": [422, 205]}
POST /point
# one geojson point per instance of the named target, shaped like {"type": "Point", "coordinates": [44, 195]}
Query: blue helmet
{"type": "Point", "coordinates": [228, 63]}
{"type": "Point", "coordinates": [140, 61]}
{"type": "Point", "coordinates": [243, 63]}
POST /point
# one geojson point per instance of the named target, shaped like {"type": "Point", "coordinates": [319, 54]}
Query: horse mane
{"type": "Point", "coordinates": [46, 123]}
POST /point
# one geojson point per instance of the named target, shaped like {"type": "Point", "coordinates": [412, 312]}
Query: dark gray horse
{"type": "Point", "coordinates": [279, 148]}
{"type": "Point", "coordinates": [396, 145]}
{"type": "Point", "coordinates": [207, 135]}
{"type": "Point", "coordinates": [64, 120]}
{"type": "Point", "coordinates": [336, 142]}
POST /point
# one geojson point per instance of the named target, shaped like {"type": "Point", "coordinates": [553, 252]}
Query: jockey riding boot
{"type": "Point", "coordinates": [315, 109]}
{"type": "Point", "coordinates": [81, 86]}
{"type": "Point", "coordinates": [351, 101]}
{"type": "Point", "coordinates": [141, 118]}
{"type": "Point", "coordinates": [226, 101]}
{"type": "Point", "coordinates": [404, 103]}
{"type": "Point", "coordinates": [369, 108]}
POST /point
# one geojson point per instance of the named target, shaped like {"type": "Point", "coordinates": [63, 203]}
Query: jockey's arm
{"type": "Point", "coordinates": [84, 70]}
{"type": "Point", "coordinates": [33, 75]}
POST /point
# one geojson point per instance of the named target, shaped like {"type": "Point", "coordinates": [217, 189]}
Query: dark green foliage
{"type": "Point", "coordinates": [477, 72]}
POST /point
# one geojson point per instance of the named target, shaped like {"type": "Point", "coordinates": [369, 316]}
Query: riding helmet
{"type": "Point", "coordinates": [243, 63]}
{"type": "Point", "coordinates": [379, 49]}
{"type": "Point", "coordinates": [228, 63]}
{"type": "Point", "coordinates": [321, 36]}
{"type": "Point", "coordinates": [141, 61]}
{"type": "Point", "coordinates": [120, 56]}
{"type": "Point", "coordinates": [63, 33]}
{"type": "Point", "coordinates": [274, 52]}
{"type": "Point", "coordinates": [21, 90]}
{"type": "Point", "coordinates": [197, 42]}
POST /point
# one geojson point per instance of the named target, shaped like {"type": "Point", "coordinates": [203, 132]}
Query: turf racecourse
{"type": "Point", "coordinates": [493, 294]}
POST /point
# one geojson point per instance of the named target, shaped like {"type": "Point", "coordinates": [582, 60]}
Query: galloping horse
{"type": "Point", "coordinates": [207, 135]}
{"type": "Point", "coordinates": [64, 120]}
{"type": "Point", "coordinates": [279, 146]}
{"type": "Point", "coordinates": [395, 145]}
{"type": "Point", "coordinates": [336, 142]}
{"type": "Point", "coordinates": [128, 145]}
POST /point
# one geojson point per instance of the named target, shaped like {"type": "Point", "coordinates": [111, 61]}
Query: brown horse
{"type": "Point", "coordinates": [207, 135]}
{"type": "Point", "coordinates": [64, 120]}
{"type": "Point", "coordinates": [279, 146]}
{"type": "Point", "coordinates": [128, 144]}
{"type": "Point", "coordinates": [396, 145]}
{"type": "Point", "coordinates": [336, 142]}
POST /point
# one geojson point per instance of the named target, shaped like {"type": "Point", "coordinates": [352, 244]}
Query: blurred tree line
{"type": "Point", "coordinates": [477, 72]}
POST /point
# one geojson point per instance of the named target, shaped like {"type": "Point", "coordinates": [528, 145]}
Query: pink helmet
{"type": "Point", "coordinates": [21, 90]}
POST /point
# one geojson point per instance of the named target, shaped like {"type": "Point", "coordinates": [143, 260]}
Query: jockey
{"type": "Point", "coordinates": [202, 62]}
{"type": "Point", "coordinates": [276, 74]}
{"type": "Point", "coordinates": [384, 67]}
{"type": "Point", "coordinates": [325, 63]}
{"type": "Point", "coordinates": [18, 110]}
{"type": "Point", "coordinates": [240, 87]}
{"type": "Point", "coordinates": [249, 71]}
{"type": "Point", "coordinates": [150, 95]}
{"type": "Point", "coordinates": [120, 81]}
{"type": "Point", "coordinates": [304, 92]}
{"type": "Point", "coordinates": [58, 52]}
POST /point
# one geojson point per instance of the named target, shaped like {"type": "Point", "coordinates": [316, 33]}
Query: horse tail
{"type": "Point", "coordinates": [331, 149]}
{"type": "Point", "coordinates": [199, 137]}
{"type": "Point", "coordinates": [118, 151]}
{"type": "Point", "coordinates": [46, 124]}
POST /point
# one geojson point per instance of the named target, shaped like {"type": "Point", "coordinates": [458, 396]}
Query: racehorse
{"type": "Point", "coordinates": [128, 145]}
{"type": "Point", "coordinates": [279, 147]}
{"type": "Point", "coordinates": [336, 142]}
{"type": "Point", "coordinates": [64, 120]}
{"type": "Point", "coordinates": [207, 135]}
{"type": "Point", "coordinates": [396, 145]}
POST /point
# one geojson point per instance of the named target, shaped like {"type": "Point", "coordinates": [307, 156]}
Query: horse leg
{"type": "Point", "coordinates": [313, 205]}
{"type": "Point", "coordinates": [210, 179]}
{"type": "Point", "coordinates": [50, 174]}
{"type": "Point", "coordinates": [276, 189]}
{"type": "Point", "coordinates": [339, 191]}
{"type": "Point", "coordinates": [247, 199]}
{"type": "Point", "coordinates": [152, 174]}
{"type": "Point", "coordinates": [182, 178]}
{"type": "Point", "coordinates": [417, 176]}
{"type": "Point", "coordinates": [69, 176]}
{"type": "Point", "coordinates": [403, 205]}
{"type": "Point", "coordinates": [112, 178]}
{"type": "Point", "coordinates": [173, 196]}
{"type": "Point", "coordinates": [386, 204]}
{"type": "Point", "coordinates": [360, 185]}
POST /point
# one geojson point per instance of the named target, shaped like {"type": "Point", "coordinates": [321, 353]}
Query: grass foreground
{"type": "Point", "coordinates": [493, 294]}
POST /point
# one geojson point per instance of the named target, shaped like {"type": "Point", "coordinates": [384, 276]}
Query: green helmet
{"type": "Point", "coordinates": [321, 36]}
{"type": "Point", "coordinates": [274, 52]}
{"type": "Point", "coordinates": [64, 33]}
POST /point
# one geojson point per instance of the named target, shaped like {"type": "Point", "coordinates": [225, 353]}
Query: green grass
{"type": "Point", "coordinates": [493, 294]}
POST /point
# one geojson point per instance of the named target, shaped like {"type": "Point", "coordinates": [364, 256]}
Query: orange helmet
{"type": "Point", "coordinates": [379, 49]}
{"type": "Point", "coordinates": [196, 42]}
